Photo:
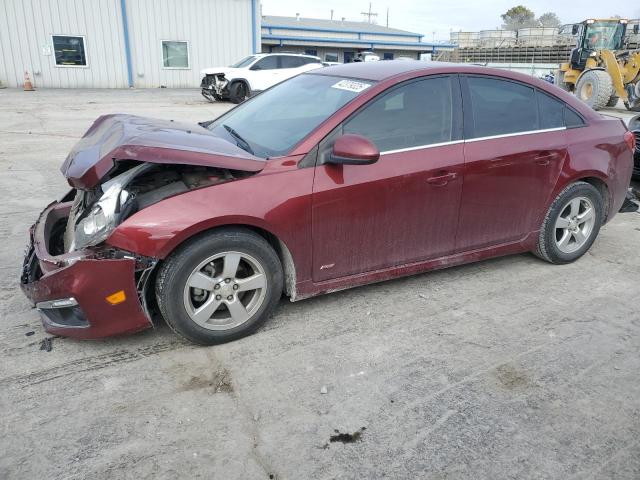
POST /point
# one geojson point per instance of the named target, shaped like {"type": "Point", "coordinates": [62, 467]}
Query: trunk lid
{"type": "Point", "coordinates": [117, 137]}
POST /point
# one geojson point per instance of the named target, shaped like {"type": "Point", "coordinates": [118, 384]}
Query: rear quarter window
{"type": "Point", "coordinates": [551, 111]}
{"type": "Point", "coordinates": [555, 113]}
{"type": "Point", "coordinates": [572, 119]}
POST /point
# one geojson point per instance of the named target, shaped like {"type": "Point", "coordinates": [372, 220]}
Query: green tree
{"type": "Point", "coordinates": [549, 19]}
{"type": "Point", "coordinates": [518, 17]}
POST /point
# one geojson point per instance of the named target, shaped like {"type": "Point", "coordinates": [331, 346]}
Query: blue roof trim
{"type": "Point", "coordinates": [320, 29]}
{"type": "Point", "coordinates": [363, 42]}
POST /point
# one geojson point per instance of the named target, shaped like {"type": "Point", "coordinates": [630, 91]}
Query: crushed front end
{"type": "Point", "coordinates": [214, 86]}
{"type": "Point", "coordinates": [82, 286]}
{"type": "Point", "coordinates": [92, 292]}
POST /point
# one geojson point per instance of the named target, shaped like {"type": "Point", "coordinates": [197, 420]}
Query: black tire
{"type": "Point", "coordinates": [613, 100]}
{"type": "Point", "coordinates": [238, 92]}
{"type": "Point", "coordinates": [594, 88]}
{"type": "Point", "coordinates": [547, 248]}
{"type": "Point", "coordinates": [174, 272]}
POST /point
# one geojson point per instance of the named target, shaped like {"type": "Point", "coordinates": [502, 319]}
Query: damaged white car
{"type": "Point", "coordinates": [253, 74]}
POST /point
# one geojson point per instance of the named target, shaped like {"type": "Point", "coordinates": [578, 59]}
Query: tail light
{"type": "Point", "coordinates": [630, 140]}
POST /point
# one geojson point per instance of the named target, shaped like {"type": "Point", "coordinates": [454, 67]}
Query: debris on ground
{"type": "Point", "coordinates": [347, 437]}
{"type": "Point", "coordinates": [324, 390]}
{"type": "Point", "coordinates": [28, 334]}
{"type": "Point", "coordinates": [46, 344]}
{"type": "Point", "coordinates": [631, 202]}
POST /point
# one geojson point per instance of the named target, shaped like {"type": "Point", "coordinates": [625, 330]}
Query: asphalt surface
{"type": "Point", "coordinates": [506, 369]}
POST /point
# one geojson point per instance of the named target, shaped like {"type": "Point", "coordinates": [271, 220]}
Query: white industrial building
{"type": "Point", "coordinates": [341, 40]}
{"type": "Point", "coordinates": [122, 43]}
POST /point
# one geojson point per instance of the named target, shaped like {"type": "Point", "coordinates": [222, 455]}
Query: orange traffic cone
{"type": "Point", "coordinates": [28, 86]}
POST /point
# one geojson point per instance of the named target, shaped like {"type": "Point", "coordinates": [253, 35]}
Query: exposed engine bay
{"type": "Point", "coordinates": [129, 188]}
{"type": "Point", "coordinates": [214, 86]}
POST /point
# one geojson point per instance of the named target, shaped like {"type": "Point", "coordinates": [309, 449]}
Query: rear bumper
{"type": "Point", "coordinates": [70, 290]}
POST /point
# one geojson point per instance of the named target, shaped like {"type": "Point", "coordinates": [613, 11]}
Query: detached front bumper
{"type": "Point", "coordinates": [90, 293]}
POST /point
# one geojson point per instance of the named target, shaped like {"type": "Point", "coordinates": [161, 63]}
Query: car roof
{"type": "Point", "coordinates": [289, 54]}
{"type": "Point", "coordinates": [379, 70]}
{"type": "Point", "coordinates": [389, 69]}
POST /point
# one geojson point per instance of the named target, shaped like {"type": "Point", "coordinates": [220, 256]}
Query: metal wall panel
{"type": "Point", "coordinates": [219, 32]}
{"type": "Point", "coordinates": [26, 27]}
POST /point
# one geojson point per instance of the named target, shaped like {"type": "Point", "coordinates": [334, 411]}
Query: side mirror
{"type": "Point", "coordinates": [575, 29]}
{"type": "Point", "coordinates": [636, 28]}
{"type": "Point", "coordinates": [353, 149]}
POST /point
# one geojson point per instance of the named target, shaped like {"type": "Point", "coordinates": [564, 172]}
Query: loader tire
{"type": "Point", "coordinates": [613, 100]}
{"type": "Point", "coordinates": [594, 88]}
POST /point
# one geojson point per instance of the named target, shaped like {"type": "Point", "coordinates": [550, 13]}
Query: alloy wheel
{"type": "Point", "coordinates": [574, 225]}
{"type": "Point", "coordinates": [225, 290]}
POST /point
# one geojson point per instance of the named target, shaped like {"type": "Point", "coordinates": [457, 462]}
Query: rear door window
{"type": "Point", "coordinates": [416, 114]}
{"type": "Point", "coordinates": [266, 63]}
{"type": "Point", "coordinates": [500, 107]}
{"type": "Point", "coordinates": [291, 62]}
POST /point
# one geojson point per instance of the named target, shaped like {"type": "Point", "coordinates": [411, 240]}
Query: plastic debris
{"type": "Point", "coordinates": [46, 344]}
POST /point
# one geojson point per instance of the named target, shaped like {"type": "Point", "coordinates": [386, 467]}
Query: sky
{"type": "Point", "coordinates": [441, 17]}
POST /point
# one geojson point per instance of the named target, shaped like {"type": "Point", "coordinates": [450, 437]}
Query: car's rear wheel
{"type": "Point", "coordinates": [238, 92]}
{"type": "Point", "coordinates": [219, 287]}
{"type": "Point", "coordinates": [571, 224]}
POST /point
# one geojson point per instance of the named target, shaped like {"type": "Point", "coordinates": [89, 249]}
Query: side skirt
{"type": "Point", "coordinates": [308, 288]}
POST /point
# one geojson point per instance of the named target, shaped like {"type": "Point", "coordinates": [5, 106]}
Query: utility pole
{"type": "Point", "coordinates": [387, 17]}
{"type": "Point", "coordinates": [369, 14]}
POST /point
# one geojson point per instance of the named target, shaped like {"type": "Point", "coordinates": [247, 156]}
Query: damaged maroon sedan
{"type": "Point", "coordinates": [339, 177]}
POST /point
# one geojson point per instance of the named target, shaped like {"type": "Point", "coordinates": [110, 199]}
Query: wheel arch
{"type": "Point", "coordinates": [242, 80]}
{"type": "Point", "coordinates": [280, 247]}
{"type": "Point", "coordinates": [605, 193]}
{"type": "Point", "coordinates": [594, 178]}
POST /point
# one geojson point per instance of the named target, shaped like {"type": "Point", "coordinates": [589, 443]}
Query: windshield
{"type": "Point", "coordinates": [604, 35]}
{"type": "Point", "coordinates": [244, 62]}
{"type": "Point", "coordinates": [272, 123]}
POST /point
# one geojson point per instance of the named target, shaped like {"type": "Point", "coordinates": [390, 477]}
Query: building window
{"type": "Point", "coordinates": [175, 54]}
{"type": "Point", "coordinates": [331, 57]}
{"type": "Point", "coordinates": [311, 51]}
{"type": "Point", "coordinates": [69, 51]}
{"type": "Point", "coordinates": [388, 56]}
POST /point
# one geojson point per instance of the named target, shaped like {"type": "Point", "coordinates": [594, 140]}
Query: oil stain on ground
{"type": "Point", "coordinates": [511, 378]}
{"type": "Point", "coordinates": [219, 381]}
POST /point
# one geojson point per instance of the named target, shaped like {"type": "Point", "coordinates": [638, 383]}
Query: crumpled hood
{"type": "Point", "coordinates": [129, 137]}
{"type": "Point", "coordinates": [226, 71]}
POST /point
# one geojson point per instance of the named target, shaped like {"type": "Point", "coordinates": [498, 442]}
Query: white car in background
{"type": "Point", "coordinates": [253, 74]}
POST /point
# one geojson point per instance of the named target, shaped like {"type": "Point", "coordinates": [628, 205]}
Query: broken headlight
{"type": "Point", "coordinates": [104, 215]}
{"type": "Point", "coordinates": [101, 220]}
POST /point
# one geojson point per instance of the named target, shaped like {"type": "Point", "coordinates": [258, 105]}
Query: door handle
{"type": "Point", "coordinates": [442, 178]}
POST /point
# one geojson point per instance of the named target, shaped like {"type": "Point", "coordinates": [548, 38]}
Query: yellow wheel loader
{"type": "Point", "coordinates": [601, 70]}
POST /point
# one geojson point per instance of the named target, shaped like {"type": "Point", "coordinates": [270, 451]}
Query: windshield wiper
{"type": "Point", "coordinates": [242, 143]}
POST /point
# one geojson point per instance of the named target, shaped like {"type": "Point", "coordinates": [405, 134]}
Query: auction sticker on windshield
{"type": "Point", "coordinates": [351, 85]}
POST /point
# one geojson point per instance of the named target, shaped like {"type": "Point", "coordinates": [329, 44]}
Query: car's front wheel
{"type": "Point", "coordinates": [220, 286]}
{"type": "Point", "coordinates": [572, 224]}
{"type": "Point", "coordinates": [238, 92]}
